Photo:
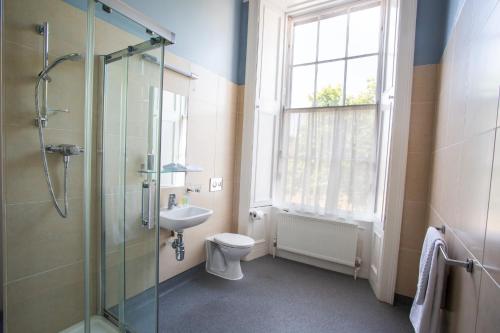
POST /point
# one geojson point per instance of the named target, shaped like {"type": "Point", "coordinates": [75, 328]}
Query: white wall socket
{"type": "Point", "coordinates": [215, 184]}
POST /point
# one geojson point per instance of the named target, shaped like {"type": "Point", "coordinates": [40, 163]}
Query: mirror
{"type": "Point", "coordinates": [174, 137]}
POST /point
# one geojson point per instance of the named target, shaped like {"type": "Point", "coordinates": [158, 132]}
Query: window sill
{"type": "Point", "coordinates": [332, 218]}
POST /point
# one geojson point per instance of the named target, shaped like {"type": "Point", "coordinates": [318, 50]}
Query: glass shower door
{"type": "Point", "coordinates": [132, 79]}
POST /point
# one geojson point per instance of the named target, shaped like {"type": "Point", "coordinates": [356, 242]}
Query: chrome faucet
{"type": "Point", "coordinates": [171, 201]}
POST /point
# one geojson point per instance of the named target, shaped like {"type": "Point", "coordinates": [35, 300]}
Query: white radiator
{"type": "Point", "coordinates": [318, 238]}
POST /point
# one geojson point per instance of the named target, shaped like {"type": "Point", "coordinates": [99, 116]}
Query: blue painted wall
{"type": "Point", "coordinates": [207, 31]}
{"type": "Point", "coordinates": [435, 22]}
{"type": "Point", "coordinates": [429, 35]}
{"type": "Point", "coordinates": [211, 33]}
{"type": "Point", "coordinates": [242, 57]}
{"type": "Point", "coordinates": [243, 43]}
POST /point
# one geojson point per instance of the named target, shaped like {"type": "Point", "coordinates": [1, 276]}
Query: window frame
{"type": "Point", "coordinates": [317, 16]}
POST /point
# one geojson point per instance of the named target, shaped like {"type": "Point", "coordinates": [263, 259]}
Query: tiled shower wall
{"type": "Point", "coordinates": [414, 224]}
{"type": "Point", "coordinates": [465, 186]}
{"type": "Point", "coordinates": [43, 277]}
{"type": "Point", "coordinates": [43, 272]}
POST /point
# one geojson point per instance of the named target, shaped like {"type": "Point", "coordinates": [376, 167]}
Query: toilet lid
{"type": "Point", "coordinates": [234, 240]}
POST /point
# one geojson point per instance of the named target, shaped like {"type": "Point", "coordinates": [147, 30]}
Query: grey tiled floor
{"type": "Point", "coordinates": [278, 295]}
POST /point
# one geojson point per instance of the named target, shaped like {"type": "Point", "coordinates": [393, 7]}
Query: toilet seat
{"type": "Point", "coordinates": [234, 240]}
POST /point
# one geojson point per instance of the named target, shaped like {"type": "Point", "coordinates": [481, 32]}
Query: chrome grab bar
{"type": "Point", "coordinates": [467, 264]}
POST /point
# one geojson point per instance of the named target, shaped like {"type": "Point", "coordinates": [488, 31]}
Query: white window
{"type": "Point", "coordinates": [174, 137]}
{"type": "Point", "coordinates": [328, 156]}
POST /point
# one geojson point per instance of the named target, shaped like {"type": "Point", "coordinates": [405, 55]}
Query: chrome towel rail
{"type": "Point", "coordinates": [467, 264]}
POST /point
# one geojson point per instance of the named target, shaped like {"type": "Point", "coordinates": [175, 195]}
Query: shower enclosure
{"type": "Point", "coordinates": [82, 256]}
{"type": "Point", "coordinates": [129, 191]}
{"type": "Point", "coordinates": [129, 75]}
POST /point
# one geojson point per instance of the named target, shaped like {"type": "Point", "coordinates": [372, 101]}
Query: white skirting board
{"type": "Point", "coordinates": [331, 266]}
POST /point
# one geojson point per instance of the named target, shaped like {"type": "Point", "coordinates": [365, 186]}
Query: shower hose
{"type": "Point", "coordinates": [63, 212]}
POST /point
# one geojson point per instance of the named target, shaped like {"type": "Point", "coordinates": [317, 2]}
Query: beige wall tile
{"type": "Point", "coordinates": [459, 98]}
{"type": "Point", "coordinates": [435, 219]}
{"type": "Point", "coordinates": [67, 25]}
{"type": "Point", "coordinates": [418, 173]}
{"type": "Point", "coordinates": [225, 146]}
{"type": "Point", "coordinates": [417, 176]}
{"type": "Point", "coordinates": [425, 75]}
{"type": "Point", "coordinates": [38, 239]}
{"type": "Point", "coordinates": [475, 177]}
{"type": "Point", "coordinates": [241, 99]}
{"type": "Point", "coordinates": [414, 225]}
{"type": "Point", "coordinates": [492, 241]}
{"type": "Point", "coordinates": [212, 126]}
{"type": "Point", "coordinates": [488, 320]}
{"type": "Point", "coordinates": [435, 197]}
{"type": "Point", "coordinates": [178, 62]}
{"type": "Point", "coordinates": [421, 127]}
{"type": "Point", "coordinates": [25, 181]}
{"type": "Point", "coordinates": [484, 72]}
{"type": "Point", "coordinates": [443, 107]}
{"type": "Point", "coordinates": [205, 87]}
{"type": "Point", "coordinates": [424, 93]}
{"type": "Point", "coordinates": [407, 272]}
{"type": "Point", "coordinates": [462, 166]}
{"type": "Point", "coordinates": [47, 302]}
{"type": "Point", "coordinates": [227, 95]}
{"type": "Point", "coordinates": [462, 291]}
{"type": "Point", "coordinates": [450, 183]}
{"type": "Point", "coordinates": [64, 90]}
{"type": "Point", "coordinates": [176, 83]}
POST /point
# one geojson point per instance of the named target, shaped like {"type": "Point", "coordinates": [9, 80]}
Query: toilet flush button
{"type": "Point", "coordinates": [215, 184]}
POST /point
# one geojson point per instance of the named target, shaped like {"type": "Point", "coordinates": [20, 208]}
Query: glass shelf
{"type": "Point", "coordinates": [166, 171]}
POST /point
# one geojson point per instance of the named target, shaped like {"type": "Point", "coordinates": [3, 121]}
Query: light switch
{"type": "Point", "coordinates": [215, 184]}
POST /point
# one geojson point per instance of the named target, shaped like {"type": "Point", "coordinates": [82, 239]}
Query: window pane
{"type": "Point", "coordinates": [364, 31]}
{"type": "Point", "coordinates": [304, 42]}
{"type": "Point", "coordinates": [329, 162]}
{"type": "Point", "coordinates": [361, 81]}
{"type": "Point", "coordinates": [329, 89]}
{"type": "Point", "coordinates": [302, 86]}
{"type": "Point", "coordinates": [332, 38]}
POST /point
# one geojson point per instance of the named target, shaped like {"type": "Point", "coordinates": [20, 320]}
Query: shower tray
{"type": "Point", "coordinates": [97, 325]}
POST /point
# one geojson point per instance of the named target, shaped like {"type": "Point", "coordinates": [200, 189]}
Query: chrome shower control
{"type": "Point", "coordinates": [64, 149]}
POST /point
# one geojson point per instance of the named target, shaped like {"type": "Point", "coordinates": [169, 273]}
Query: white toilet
{"type": "Point", "coordinates": [224, 252]}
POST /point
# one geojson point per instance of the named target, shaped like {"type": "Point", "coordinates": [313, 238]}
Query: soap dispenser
{"type": "Point", "coordinates": [185, 199]}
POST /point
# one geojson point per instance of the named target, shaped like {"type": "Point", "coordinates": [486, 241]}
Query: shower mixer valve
{"type": "Point", "coordinates": [64, 149]}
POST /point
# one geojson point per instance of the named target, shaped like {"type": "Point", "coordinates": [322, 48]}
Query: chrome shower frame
{"type": "Point", "coordinates": [2, 155]}
{"type": "Point", "coordinates": [43, 29]}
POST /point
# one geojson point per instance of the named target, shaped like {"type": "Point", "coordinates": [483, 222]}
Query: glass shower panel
{"type": "Point", "coordinates": [132, 72]}
{"type": "Point", "coordinates": [113, 187]}
{"type": "Point", "coordinates": [143, 100]}
{"type": "Point", "coordinates": [129, 189]}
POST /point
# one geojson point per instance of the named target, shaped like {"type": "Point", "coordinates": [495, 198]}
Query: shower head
{"type": "Point", "coordinates": [70, 56]}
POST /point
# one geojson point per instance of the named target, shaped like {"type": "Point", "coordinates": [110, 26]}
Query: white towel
{"type": "Point", "coordinates": [425, 311]}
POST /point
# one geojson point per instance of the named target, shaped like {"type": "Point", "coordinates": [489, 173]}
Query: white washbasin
{"type": "Point", "coordinates": [181, 218]}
